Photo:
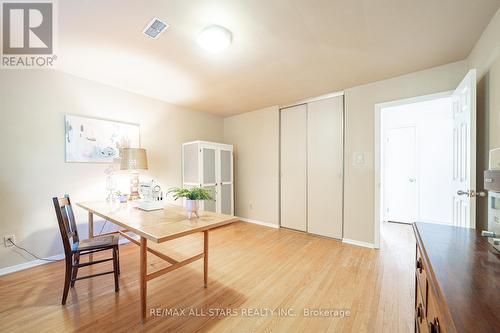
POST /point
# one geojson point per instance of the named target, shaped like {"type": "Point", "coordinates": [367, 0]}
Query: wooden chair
{"type": "Point", "coordinates": [76, 248]}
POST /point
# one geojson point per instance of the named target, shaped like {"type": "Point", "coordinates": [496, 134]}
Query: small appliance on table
{"type": "Point", "coordinates": [151, 196]}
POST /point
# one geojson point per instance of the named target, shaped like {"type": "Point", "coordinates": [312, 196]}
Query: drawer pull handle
{"type": "Point", "coordinates": [419, 313]}
{"type": "Point", "coordinates": [419, 265]}
{"type": "Point", "coordinates": [434, 326]}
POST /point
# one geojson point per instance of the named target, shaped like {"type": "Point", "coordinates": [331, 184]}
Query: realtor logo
{"type": "Point", "coordinates": [27, 34]}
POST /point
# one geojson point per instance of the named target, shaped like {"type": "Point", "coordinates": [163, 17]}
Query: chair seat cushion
{"type": "Point", "coordinates": [95, 243]}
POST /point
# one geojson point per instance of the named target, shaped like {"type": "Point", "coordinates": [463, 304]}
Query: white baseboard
{"type": "Point", "coordinates": [29, 264]}
{"type": "Point", "coordinates": [358, 243]}
{"type": "Point", "coordinates": [38, 262]}
{"type": "Point", "coordinates": [265, 224]}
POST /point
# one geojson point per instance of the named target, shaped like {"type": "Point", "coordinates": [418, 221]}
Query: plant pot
{"type": "Point", "coordinates": [192, 207]}
{"type": "Point", "coordinates": [123, 198]}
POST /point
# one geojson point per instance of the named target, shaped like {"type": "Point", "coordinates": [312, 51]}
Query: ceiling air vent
{"type": "Point", "coordinates": [155, 28]}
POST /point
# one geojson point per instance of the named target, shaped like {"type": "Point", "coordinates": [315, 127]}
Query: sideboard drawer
{"type": "Point", "coordinates": [420, 319]}
{"type": "Point", "coordinates": [420, 272]}
{"type": "Point", "coordinates": [433, 322]}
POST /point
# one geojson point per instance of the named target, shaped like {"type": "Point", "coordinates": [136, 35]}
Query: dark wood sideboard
{"type": "Point", "coordinates": [457, 280]}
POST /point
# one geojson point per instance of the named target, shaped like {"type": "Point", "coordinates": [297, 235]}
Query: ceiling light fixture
{"type": "Point", "coordinates": [214, 38]}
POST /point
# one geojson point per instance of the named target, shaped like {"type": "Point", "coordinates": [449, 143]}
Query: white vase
{"type": "Point", "coordinates": [192, 207]}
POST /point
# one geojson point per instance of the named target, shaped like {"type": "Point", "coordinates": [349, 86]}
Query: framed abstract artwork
{"type": "Point", "coordinates": [98, 141]}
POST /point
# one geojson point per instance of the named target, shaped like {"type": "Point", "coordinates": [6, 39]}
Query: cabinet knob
{"type": "Point", "coordinates": [419, 313]}
{"type": "Point", "coordinates": [419, 265]}
{"type": "Point", "coordinates": [434, 326]}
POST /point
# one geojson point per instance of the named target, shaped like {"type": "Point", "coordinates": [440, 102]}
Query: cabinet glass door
{"type": "Point", "coordinates": [226, 181]}
{"type": "Point", "coordinates": [209, 175]}
{"type": "Point", "coordinates": [210, 205]}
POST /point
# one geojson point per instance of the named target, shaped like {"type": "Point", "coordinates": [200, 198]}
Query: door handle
{"type": "Point", "coordinates": [472, 193]}
{"type": "Point", "coordinates": [412, 180]}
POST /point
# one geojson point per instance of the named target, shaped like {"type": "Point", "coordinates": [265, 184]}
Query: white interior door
{"type": "Point", "coordinates": [293, 159]}
{"type": "Point", "coordinates": [401, 191]}
{"type": "Point", "coordinates": [225, 183]}
{"type": "Point", "coordinates": [464, 152]}
{"type": "Point", "coordinates": [324, 167]}
{"type": "Point", "coordinates": [208, 167]}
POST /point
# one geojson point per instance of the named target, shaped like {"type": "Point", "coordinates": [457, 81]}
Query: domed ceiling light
{"type": "Point", "coordinates": [214, 38]}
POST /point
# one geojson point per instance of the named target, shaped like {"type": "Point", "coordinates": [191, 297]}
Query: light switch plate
{"type": "Point", "coordinates": [358, 159]}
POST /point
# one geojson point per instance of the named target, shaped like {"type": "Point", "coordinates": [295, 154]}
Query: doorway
{"type": "Point", "coordinates": [416, 161]}
{"type": "Point", "coordinates": [463, 156]}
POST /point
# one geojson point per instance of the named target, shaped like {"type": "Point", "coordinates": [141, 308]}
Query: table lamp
{"type": "Point", "coordinates": [133, 159]}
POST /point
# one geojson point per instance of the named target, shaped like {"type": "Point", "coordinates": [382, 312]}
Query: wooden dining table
{"type": "Point", "coordinates": [156, 226]}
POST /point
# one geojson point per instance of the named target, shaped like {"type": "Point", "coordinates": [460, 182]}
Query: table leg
{"type": "Point", "coordinates": [143, 273]}
{"type": "Point", "coordinates": [91, 225]}
{"type": "Point", "coordinates": [205, 257]}
{"type": "Point", "coordinates": [91, 231]}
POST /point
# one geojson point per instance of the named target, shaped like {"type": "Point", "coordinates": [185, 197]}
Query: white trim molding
{"type": "Point", "coordinates": [265, 224]}
{"type": "Point", "coordinates": [38, 262]}
{"type": "Point", "coordinates": [29, 264]}
{"type": "Point", "coordinates": [358, 243]}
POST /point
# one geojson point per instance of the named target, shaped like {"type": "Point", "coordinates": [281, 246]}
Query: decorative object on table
{"type": "Point", "coordinates": [193, 196]}
{"type": "Point", "coordinates": [150, 191]}
{"type": "Point", "coordinates": [151, 196]}
{"type": "Point", "coordinates": [96, 140]}
{"type": "Point", "coordinates": [122, 197]}
{"type": "Point", "coordinates": [110, 182]}
{"type": "Point", "coordinates": [210, 165]}
{"type": "Point", "coordinates": [133, 159]}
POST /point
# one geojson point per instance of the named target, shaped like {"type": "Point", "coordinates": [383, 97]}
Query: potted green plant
{"type": "Point", "coordinates": [193, 196]}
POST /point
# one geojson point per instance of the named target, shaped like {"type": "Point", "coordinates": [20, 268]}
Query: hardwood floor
{"type": "Point", "coordinates": [252, 268]}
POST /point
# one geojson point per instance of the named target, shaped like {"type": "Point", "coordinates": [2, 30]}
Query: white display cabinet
{"type": "Point", "coordinates": [210, 165]}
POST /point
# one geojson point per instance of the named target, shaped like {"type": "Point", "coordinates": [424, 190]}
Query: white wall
{"type": "Point", "coordinates": [359, 133]}
{"type": "Point", "coordinates": [485, 57]}
{"type": "Point", "coordinates": [487, 49]}
{"type": "Point", "coordinates": [255, 136]}
{"type": "Point", "coordinates": [433, 122]}
{"type": "Point", "coordinates": [32, 108]}
{"type": "Point", "coordinates": [359, 137]}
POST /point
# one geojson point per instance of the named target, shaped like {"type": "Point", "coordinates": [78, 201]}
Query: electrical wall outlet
{"type": "Point", "coordinates": [6, 242]}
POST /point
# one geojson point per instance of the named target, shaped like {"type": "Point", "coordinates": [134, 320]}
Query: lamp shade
{"type": "Point", "coordinates": [133, 159]}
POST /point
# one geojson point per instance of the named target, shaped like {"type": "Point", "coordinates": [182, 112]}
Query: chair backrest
{"type": "Point", "coordinates": [67, 224]}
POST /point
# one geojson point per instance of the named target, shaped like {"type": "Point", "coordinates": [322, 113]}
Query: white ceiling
{"type": "Point", "coordinates": [282, 51]}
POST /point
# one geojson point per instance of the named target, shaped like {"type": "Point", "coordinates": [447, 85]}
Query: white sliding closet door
{"type": "Point", "coordinates": [325, 166]}
{"type": "Point", "coordinates": [294, 167]}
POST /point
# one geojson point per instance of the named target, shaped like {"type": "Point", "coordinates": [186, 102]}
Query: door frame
{"type": "Point", "coordinates": [377, 152]}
